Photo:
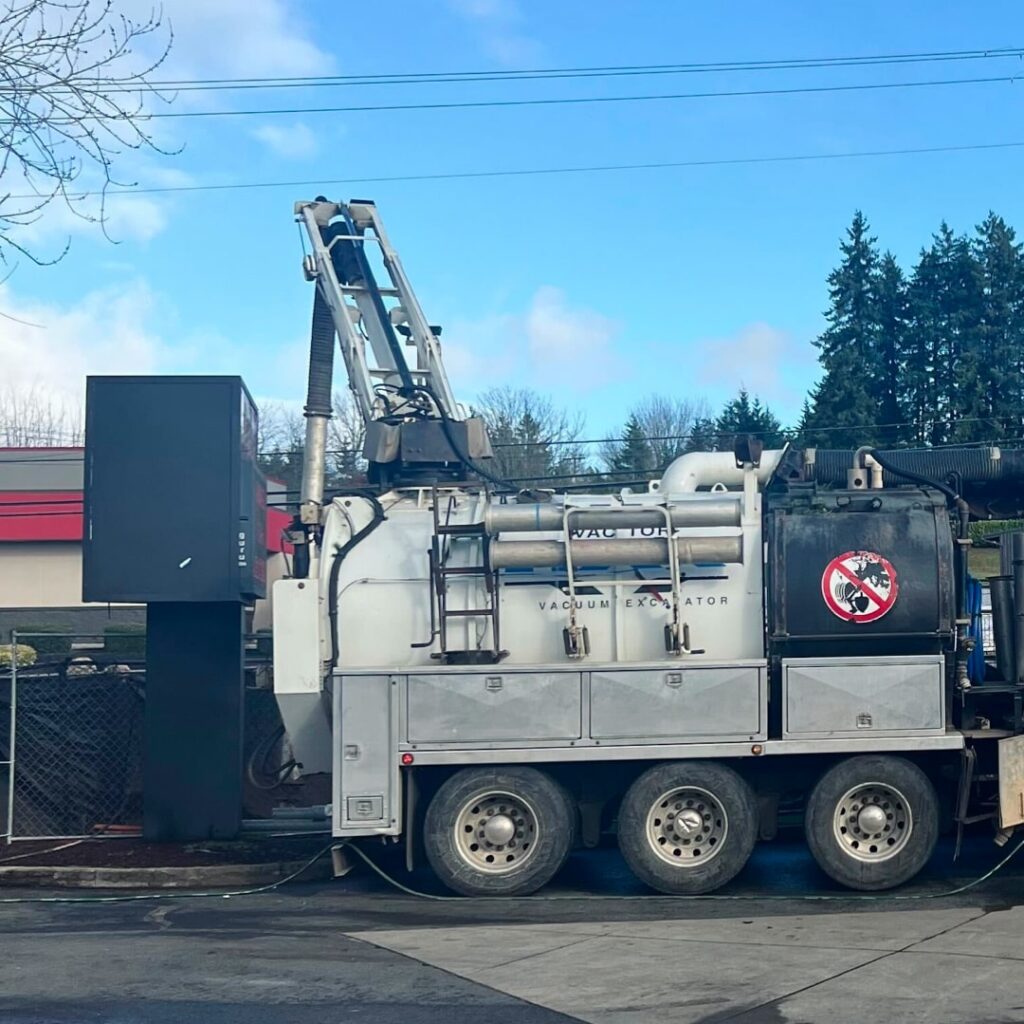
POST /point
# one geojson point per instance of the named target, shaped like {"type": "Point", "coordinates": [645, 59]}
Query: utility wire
{"type": "Point", "coordinates": [42, 459]}
{"type": "Point", "coordinates": [572, 100]}
{"type": "Point", "coordinates": [538, 171]}
{"type": "Point", "coordinates": [557, 73]}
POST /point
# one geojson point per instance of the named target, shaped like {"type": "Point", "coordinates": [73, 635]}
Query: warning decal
{"type": "Point", "coordinates": [859, 586]}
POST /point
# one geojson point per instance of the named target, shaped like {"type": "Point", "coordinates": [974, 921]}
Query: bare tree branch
{"type": "Point", "coordinates": [31, 419]}
{"type": "Point", "coordinates": [73, 99]}
{"type": "Point", "coordinates": [534, 439]}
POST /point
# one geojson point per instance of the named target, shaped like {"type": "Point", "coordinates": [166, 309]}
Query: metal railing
{"type": "Point", "coordinates": [73, 739]}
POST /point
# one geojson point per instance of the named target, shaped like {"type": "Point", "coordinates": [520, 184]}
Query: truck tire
{"type": "Point", "coordinates": [872, 821]}
{"type": "Point", "coordinates": [688, 827]}
{"type": "Point", "coordinates": [499, 831]}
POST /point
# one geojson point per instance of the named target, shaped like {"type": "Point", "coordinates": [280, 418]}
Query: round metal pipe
{"type": "Point", "coordinates": [521, 554]}
{"type": "Point", "coordinates": [544, 516]}
{"type": "Point", "coordinates": [1001, 589]}
{"type": "Point", "coordinates": [705, 469]}
{"type": "Point", "coordinates": [1017, 550]}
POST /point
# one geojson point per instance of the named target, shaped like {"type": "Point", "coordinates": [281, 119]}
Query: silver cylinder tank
{"type": "Point", "coordinates": [537, 516]}
{"type": "Point", "coordinates": [520, 554]}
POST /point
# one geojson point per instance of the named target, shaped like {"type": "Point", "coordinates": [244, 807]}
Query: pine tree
{"type": "Point", "coordinates": [632, 456]}
{"type": "Point", "coordinates": [942, 382]}
{"type": "Point", "coordinates": [743, 415]}
{"type": "Point", "coordinates": [891, 315]}
{"type": "Point", "coordinates": [846, 403]}
{"type": "Point", "coordinates": [1000, 260]}
{"type": "Point", "coordinates": [703, 436]}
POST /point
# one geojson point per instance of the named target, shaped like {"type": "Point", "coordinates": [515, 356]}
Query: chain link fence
{"type": "Point", "coordinates": [73, 735]}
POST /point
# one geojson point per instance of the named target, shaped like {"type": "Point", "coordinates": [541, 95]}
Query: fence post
{"type": "Point", "coordinates": [12, 741]}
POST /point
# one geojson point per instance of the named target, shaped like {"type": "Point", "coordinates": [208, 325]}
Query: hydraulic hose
{"type": "Point", "coordinates": [339, 556]}
{"type": "Point", "coordinates": [464, 458]}
{"type": "Point", "coordinates": [964, 642]}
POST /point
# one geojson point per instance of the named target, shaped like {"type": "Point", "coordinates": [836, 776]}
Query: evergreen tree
{"type": "Point", "coordinates": [845, 402]}
{"type": "Point", "coordinates": [632, 456]}
{"type": "Point", "coordinates": [1000, 260]}
{"type": "Point", "coordinates": [703, 435]}
{"type": "Point", "coordinates": [744, 415]}
{"type": "Point", "coordinates": [891, 315]}
{"type": "Point", "coordinates": [942, 383]}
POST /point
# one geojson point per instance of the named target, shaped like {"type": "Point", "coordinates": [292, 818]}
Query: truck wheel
{"type": "Point", "coordinates": [499, 831]}
{"type": "Point", "coordinates": [872, 821]}
{"type": "Point", "coordinates": [688, 827]}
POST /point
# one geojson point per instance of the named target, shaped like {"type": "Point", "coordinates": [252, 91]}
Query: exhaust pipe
{"type": "Point", "coordinates": [1003, 619]}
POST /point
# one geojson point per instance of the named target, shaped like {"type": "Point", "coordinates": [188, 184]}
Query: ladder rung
{"type": "Point", "coordinates": [468, 612]}
{"type": "Point", "coordinates": [358, 289]}
{"type": "Point", "coordinates": [461, 530]}
{"type": "Point", "coordinates": [464, 570]}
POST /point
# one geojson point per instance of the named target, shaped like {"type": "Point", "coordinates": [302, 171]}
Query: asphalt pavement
{"type": "Point", "coordinates": [594, 946]}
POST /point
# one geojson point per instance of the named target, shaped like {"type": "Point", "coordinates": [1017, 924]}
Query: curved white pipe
{"type": "Point", "coordinates": [705, 469]}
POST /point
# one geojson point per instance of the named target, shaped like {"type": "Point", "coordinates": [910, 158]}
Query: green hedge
{"type": "Point", "coordinates": [993, 528]}
{"type": "Point", "coordinates": [45, 644]}
{"type": "Point", "coordinates": [127, 639]}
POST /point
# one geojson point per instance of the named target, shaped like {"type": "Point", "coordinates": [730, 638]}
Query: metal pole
{"type": "Point", "coordinates": [1003, 624]}
{"type": "Point", "coordinates": [14, 719]}
{"type": "Point", "coordinates": [1018, 606]}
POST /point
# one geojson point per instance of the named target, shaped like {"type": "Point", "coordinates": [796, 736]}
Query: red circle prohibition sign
{"type": "Point", "coordinates": [859, 586]}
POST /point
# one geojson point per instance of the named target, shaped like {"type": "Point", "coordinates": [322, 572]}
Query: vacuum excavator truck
{"type": "Point", "coordinates": [496, 676]}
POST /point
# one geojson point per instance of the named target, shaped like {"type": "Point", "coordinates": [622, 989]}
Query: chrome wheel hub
{"type": "Point", "coordinates": [872, 822]}
{"type": "Point", "coordinates": [495, 833]}
{"type": "Point", "coordinates": [687, 826]}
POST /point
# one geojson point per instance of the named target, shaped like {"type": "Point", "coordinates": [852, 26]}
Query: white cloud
{"type": "Point", "coordinates": [52, 348]}
{"type": "Point", "coordinates": [128, 219]}
{"type": "Point", "coordinates": [292, 141]}
{"type": "Point", "coordinates": [552, 345]}
{"type": "Point", "coordinates": [237, 38]}
{"type": "Point", "coordinates": [573, 342]}
{"type": "Point", "coordinates": [497, 25]}
{"type": "Point", "coordinates": [135, 218]}
{"type": "Point", "coordinates": [759, 357]}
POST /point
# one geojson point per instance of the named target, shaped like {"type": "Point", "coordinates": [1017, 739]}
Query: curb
{"type": "Point", "coordinates": [216, 876]}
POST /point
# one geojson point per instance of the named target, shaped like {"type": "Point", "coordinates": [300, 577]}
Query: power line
{"type": "Point", "coordinates": [793, 432]}
{"type": "Point", "coordinates": [537, 171]}
{"type": "Point", "coordinates": [572, 100]}
{"type": "Point", "coordinates": [560, 73]}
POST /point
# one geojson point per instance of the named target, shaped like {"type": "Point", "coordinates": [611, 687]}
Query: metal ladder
{"type": "Point", "coordinates": [446, 535]}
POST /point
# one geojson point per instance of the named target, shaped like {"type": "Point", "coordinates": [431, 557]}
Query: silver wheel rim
{"type": "Point", "coordinates": [687, 826]}
{"type": "Point", "coordinates": [496, 832]}
{"type": "Point", "coordinates": [872, 822]}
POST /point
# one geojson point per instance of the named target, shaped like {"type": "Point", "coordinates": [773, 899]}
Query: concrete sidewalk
{"type": "Point", "coordinates": [948, 965]}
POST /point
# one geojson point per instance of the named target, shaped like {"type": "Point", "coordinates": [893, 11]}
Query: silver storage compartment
{"type": "Point", "coordinates": [726, 702]}
{"type": "Point", "coordinates": [845, 697]}
{"type": "Point", "coordinates": [366, 788]}
{"type": "Point", "coordinates": [493, 707]}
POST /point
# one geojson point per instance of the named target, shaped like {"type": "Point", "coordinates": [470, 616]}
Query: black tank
{"type": "Point", "coordinates": [859, 572]}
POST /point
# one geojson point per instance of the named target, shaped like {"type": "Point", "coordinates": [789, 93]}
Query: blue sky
{"type": "Point", "coordinates": [594, 288]}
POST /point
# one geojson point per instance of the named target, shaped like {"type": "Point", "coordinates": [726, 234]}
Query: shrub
{"type": "Point", "coordinates": [46, 643]}
{"type": "Point", "coordinates": [127, 639]}
{"type": "Point", "coordinates": [24, 655]}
